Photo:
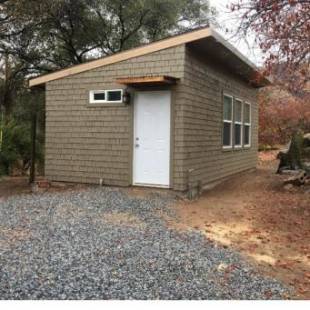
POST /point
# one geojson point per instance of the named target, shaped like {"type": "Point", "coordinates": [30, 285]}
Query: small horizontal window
{"type": "Point", "coordinates": [106, 96]}
{"type": "Point", "coordinates": [114, 95]}
{"type": "Point", "coordinates": [99, 96]}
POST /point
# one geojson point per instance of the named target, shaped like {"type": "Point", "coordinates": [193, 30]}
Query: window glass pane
{"type": "Point", "coordinates": [226, 134]}
{"type": "Point", "coordinates": [238, 111]}
{"type": "Point", "coordinates": [99, 96]}
{"type": "Point", "coordinates": [246, 135]}
{"type": "Point", "coordinates": [247, 117]}
{"type": "Point", "coordinates": [114, 95]}
{"type": "Point", "coordinates": [237, 134]}
{"type": "Point", "coordinates": [227, 108]}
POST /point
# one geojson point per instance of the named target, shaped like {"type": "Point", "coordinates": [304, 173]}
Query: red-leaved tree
{"type": "Point", "coordinates": [282, 30]}
{"type": "Point", "coordinates": [280, 114]}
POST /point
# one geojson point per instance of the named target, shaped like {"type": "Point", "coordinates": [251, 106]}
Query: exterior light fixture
{"type": "Point", "coordinates": [126, 97]}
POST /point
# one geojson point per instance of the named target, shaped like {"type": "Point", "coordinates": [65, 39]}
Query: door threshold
{"type": "Point", "coordinates": [151, 185]}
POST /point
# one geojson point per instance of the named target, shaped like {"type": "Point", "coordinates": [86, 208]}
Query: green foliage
{"type": "Point", "coordinates": [56, 34]}
{"type": "Point", "coordinates": [41, 36]}
{"type": "Point", "coordinates": [16, 145]}
{"type": "Point", "coordinates": [15, 149]}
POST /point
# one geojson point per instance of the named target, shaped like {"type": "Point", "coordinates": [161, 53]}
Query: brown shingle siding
{"type": "Point", "coordinates": [86, 143]}
{"type": "Point", "coordinates": [203, 120]}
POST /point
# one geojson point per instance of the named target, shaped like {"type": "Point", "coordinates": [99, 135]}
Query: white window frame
{"type": "Point", "coordinates": [93, 92]}
{"type": "Point", "coordinates": [228, 121]}
{"type": "Point", "coordinates": [248, 124]}
{"type": "Point", "coordinates": [238, 146]}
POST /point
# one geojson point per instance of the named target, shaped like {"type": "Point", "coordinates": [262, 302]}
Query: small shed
{"type": "Point", "coordinates": [176, 113]}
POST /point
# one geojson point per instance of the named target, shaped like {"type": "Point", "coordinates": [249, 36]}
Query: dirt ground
{"type": "Point", "coordinates": [251, 212]}
{"type": "Point", "coordinates": [13, 186]}
{"type": "Point", "coordinates": [10, 186]}
{"type": "Point", "coordinates": [254, 214]}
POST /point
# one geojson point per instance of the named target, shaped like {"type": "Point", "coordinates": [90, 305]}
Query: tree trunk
{"type": "Point", "coordinates": [292, 159]}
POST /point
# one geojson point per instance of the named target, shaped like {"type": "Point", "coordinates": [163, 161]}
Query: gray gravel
{"type": "Point", "coordinates": [73, 246]}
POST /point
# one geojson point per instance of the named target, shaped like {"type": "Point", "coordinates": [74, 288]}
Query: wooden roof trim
{"type": "Point", "coordinates": [147, 80]}
{"type": "Point", "coordinates": [135, 52]}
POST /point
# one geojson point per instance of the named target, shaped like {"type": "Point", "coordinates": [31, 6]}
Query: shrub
{"type": "Point", "coordinates": [15, 146]}
{"type": "Point", "coordinates": [280, 116]}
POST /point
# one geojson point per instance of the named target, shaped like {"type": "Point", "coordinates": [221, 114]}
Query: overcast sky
{"type": "Point", "coordinates": [228, 20]}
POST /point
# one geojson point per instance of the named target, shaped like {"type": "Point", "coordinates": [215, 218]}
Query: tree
{"type": "Point", "coordinates": [280, 116]}
{"type": "Point", "coordinates": [17, 105]}
{"type": "Point", "coordinates": [42, 36]}
{"type": "Point", "coordinates": [282, 29]}
{"type": "Point", "coordinates": [57, 34]}
{"type": "Point", "coordinates": [46, 36]}
{"type": "Point", "coordinates": [11, 81]}
{"type": "Point", "coordinates": [124, 24]}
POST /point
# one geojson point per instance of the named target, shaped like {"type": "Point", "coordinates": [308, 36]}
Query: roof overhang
{"type": "Point", "coordinates": [148, 80]}
{"type": "Point", "coordinates": [206, 36]}
{"type": "Point", "coordinates": [219, 51]}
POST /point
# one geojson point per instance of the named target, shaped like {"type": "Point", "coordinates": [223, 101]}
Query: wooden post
{"type": "Point", "coordinates": [33, 148]}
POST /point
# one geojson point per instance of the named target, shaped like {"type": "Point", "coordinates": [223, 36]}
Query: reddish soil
{"type": "Point", "coordinates": [14, 186]}
{"type": "Point", "coordinates": [266, 223]}
{"type": "Point", "coordinates": [11, 186]}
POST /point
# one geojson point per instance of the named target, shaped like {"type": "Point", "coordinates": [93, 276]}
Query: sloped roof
{"type": "Point", "coordinates": [204, 35]}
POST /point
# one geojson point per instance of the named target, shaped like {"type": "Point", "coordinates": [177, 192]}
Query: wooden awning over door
{"type": "Point", "coordinates": [147, 80]}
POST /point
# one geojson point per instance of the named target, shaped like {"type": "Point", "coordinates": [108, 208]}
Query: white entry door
{"type": "Point", "coordinates": [151, 156]}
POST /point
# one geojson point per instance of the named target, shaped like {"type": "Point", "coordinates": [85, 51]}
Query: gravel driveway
{"type": "Point", "coordinates": [100, 243]}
